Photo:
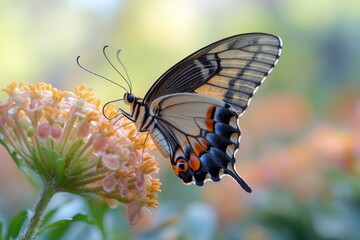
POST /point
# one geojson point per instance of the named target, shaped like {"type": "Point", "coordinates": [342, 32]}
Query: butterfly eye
{"type": "Point", "coordinates": [129, 97]}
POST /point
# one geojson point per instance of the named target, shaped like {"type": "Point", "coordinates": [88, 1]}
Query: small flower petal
{"type": "Point", "coordinates": [43, 131]}
{"type": "Point", "coordinates": [84, 129]}
{"type": "Point", "coordinates": [100, 143]}
{"type": "Point", "coordinates": [109, 183]}
{"type": "Point", "coordinates": [56, 132]}
{"type": "Point", "coordinates": [140, 181]}
{"type": "Point", "coordinates": [124, 189]}
{"type": "Point", "coordinates": [111, 161]}
{"type": "Point", "coordinates": [133, 212]}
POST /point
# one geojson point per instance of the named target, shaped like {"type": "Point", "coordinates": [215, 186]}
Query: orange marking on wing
{"type": "Point", "coordinates": [175, 169]}
{"type": "Point", "coordinates": [204, 143]}
{"type": "Point", "coordinates": [212, 91]}
{"type": "Point", "coordinates": [204, 89]}
{"type": "Point", "coordinates": [198, 149]}
{"type": "Point", "coordinates": [194, 162]}
{"type": "Point", "coordinates": [181, 166]}
{"type": "Point", "coordinates": [209, 123]}
{"type": "Point", "coordinates": [210, 112]}
{"type": "Point", "coordinates": [178, 153]}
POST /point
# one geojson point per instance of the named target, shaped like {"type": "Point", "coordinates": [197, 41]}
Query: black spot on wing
{"type": "Point", "coordinates": [200, 175]}
{"type": "Point", "coordinates": [217, 141]}
{"type": "Point", "coordinates": [222, 158]}
{"type": "Point", "coordinates": [225, 130]}
{"type": "Point", "coordinates": [187, 177]}
{"type": "Point", "coordinates": [211, 166]}
{"type": "Point", "coordinates": [223, 115]}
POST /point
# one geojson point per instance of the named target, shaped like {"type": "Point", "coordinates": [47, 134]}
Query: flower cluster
{"type": "Point", "coordinates": [64, 139]}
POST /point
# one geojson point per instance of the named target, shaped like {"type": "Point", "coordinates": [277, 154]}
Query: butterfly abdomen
{"type": "Point", "coordinates": [160, 142]}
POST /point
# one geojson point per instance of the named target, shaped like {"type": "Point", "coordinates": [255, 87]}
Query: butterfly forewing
{"type": "Point", "coordinates": [242, 67]}
{"type": "Point", "coordinates": [230, 69]}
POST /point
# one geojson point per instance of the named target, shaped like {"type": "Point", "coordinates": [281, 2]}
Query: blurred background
{"type": "Point", "coordinates": [300, 148]}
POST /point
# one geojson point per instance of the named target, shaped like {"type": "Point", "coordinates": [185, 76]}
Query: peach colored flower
{"type": "Point", "coordinates": [64, 138]}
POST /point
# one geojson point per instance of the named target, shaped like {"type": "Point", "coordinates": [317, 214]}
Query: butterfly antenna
{"type": "Point", "coordinates": [107, 58]}
{"type": "Point", "coordinates": [98, 75]}
{"type": "Point", "coordinates": [103, 109]}
{"type": "Point", "coordinates": [123, 66]}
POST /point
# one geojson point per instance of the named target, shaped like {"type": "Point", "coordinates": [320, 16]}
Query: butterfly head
{"type": "Point", "coordinates": [136, 107]}
{"type": "Point", "coordinates": [129, 98]}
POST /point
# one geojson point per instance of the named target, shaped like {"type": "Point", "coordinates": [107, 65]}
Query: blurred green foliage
{"type": "Point", "coordinates": [300, 148]}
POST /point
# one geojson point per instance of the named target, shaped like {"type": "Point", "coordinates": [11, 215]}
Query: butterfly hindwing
{"type": "Point", "coordinates": [202, 136]}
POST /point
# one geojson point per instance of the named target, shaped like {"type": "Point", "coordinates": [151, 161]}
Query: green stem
{"type": "Point", "coordinates": [37, 216]}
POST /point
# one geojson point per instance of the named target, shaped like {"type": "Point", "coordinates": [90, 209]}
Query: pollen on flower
{"type": "Point", "coordinates": [58, 95]}
{"type": "Point", "coordinates": [155, 185]}
{"type": "Point", "coordinates": [106, 128]}
{"type": "Point", "coordinates": [110, 110]}
{"type": "Point", "coordinates": [13, 87]}
{"type": "Point", "coordinates": [92, 116]}
{"type": "Point", "coordinates": [153, 189]}
{"type": "Point", "coordinates": [152, 202]}
{"type": "Point", "coordinates": [65, 133]}
{"type": "Point", "coordinates": [149, 165]}
{"type": "Point", "coordinates": [86, 93]}
{"type": "Point", "coordinates": [53, 114]}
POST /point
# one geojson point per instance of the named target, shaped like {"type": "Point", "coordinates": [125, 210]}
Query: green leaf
{"type": "Point", "coordinates": [52, 212]}
{"type": "Point", "coordinates": [15, 225]}
{"type": "Point", "coordinates": [51, 157]}
{"type": "Point", "coordinates": [38, 166]}
{"type": "Point", "coordinates": [98, 210]}
{"type": "Point", "coordinates": [49, 215]}
{"type": "Point", "coordinates": [74, 147]}
{"type": "Point", "coordinates": [60, 170]}
{"type": "Point", "coordinates": [65, 223]}
{"type": "Point", "coordinates": [56, 162]}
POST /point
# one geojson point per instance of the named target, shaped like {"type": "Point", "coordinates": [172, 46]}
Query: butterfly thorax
{"type": "Point", "coordinates": [144, 121]}
{"type": "Point", "coordinates": [139, 112]}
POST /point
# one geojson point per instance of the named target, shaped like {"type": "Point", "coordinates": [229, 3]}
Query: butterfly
{"type": "Point", "coordinates": [191, 112]}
